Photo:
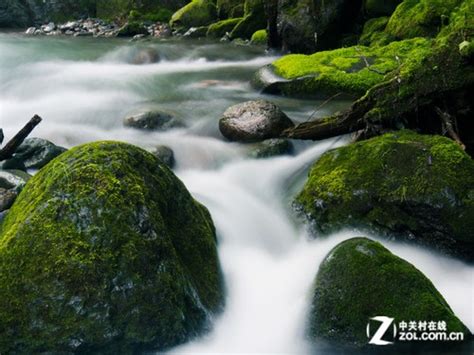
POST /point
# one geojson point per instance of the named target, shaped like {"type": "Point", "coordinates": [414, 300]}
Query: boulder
{"type": "Point", "coordinates": [350, 71]}
{"type": "Point", "coordinates": [272, 148]}
{"type": "Point", "coordinates": [33, 153]}
{"type": "Point", "coordinates": [253, 121]}
{"type": "Point", "coordinates": [259, 37]}
{"type": "Point", "coordinates": [360, 279]}
{"type": "Point", "coordinates": [153, 120]}
{"type": "Point", "coordinates": [195, 14]}
{"type": "Point", "coordinates": [145, 56]}
{"type": "Point", "coordinates": [414, 187]}
{"type": "Point", "coordinates": [105, 250]}
{"type": "Point", "coordinates": [221, 28]}
{"type": "Point", "coordinates": [165, 154]}
{"type": "Point", "coordinates": [11, 183]}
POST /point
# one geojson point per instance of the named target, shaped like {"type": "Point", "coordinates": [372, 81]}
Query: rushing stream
{"type": "Point", "coordinates": [83, 88]}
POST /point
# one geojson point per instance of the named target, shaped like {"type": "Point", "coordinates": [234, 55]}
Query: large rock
{"type": "Point", "coordinates": [153, 120]}
{"type": "Point", "coordinates": [106, 251]}
{"type": "Point", "coordinates": [253, 121]}
{"type": "Point", "coordinates": [350, 71]}
{"type": "Point", "coordinates": [415, 187]}
{"type": "Point", "coordinates": [195, 14]}
{"type": "Point", "coordinates": [360, 279]}
{"type": "Point", "coordinates": [33, 153]}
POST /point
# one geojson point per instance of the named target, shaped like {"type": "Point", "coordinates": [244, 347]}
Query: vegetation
{"type": "Point", "coordinates": [93, 257]}
{"type": "Point", "coordinates": [417, 186]}
{"type": "Point", "coordinates": [360, 279]}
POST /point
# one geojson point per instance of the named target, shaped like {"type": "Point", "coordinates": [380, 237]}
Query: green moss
{"type": "Point", "coordinates": [381, 7]}
{"type": "Point", "coordinates": [260, 37]}
{"type": "Point", "coordinates": [373, 32]}
{"type": "Point", "coordinates": [420, 18]}
{"type": "Point", "coordinates": [219, 29]}
{"type": "Point", "coordinates": [230, 8]}
{"type": "Point", "coordinates": [345, 70]}
{"type": "Point", "coordinates": [105, 250]}
{"type": "Point", "coordinates": [403, 183]}
{"type": "Point", "coordinates": [195, 14]}
{"type": "Point", "coordinates": [360, 279]}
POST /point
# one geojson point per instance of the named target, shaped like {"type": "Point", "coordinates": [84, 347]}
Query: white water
{"type": "Point", "coordinates": [84, 88]}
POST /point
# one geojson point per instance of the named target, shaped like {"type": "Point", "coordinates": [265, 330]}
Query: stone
{"type": "Point", "coordinates": [253, 121]}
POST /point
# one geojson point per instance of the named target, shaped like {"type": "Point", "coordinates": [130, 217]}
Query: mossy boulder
{"type": "Point", "coordinates": [351, 71]}
{"type": "Point", "coordinates": [230, 8]}
{"type": "Point", "coordinates": [360, 279]}
{"type": "Point", "coordinates": [253, 20]}
{"type": "Point", "coordinates": [195, 14]}
{"type": "Point", "coordinates": [416, 187]}
{"type": "Point", "coordinates": [105, 250]}
{"type": "Point", "coordinates": [259, 37]}
{"type": "Point", "coordinates": [132, 28]}
{"type": "Point", "coordinates": [373, 32]}
{"type": "Point", "coordinates": [421, 18]}
{"type": "Point", "coordinates": [221, 28]}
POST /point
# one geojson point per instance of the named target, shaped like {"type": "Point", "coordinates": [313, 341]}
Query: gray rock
{"type": "Point", "coordinates": [145, 56]}
{"type": "Point", "coordinates": [13, 179]}
{"type": "Point", "coordinates": [165, 154]}
{"type": "Point", "coordinates": [271, 148]}
{"type": "Point", "coordinates": [33, 153]}
{"type": "Point", "coordinates": [153, 120]}
{"type": "Point", "coordinates": [30, 31]}
{"type": "Point", "coordinates": [253, 121]}
{"type": "Point", "coordinates": [7, 197]}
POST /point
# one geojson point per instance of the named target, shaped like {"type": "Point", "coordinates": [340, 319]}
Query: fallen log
{"type": "Point", "coordinates": [10, 148]}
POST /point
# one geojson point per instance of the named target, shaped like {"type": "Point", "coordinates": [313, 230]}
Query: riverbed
{"type": "Point", "coordinates": [84, 88]}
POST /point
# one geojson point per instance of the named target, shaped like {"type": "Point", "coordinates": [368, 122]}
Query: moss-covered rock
{"type": "Point", "coordinates": [421, 18]}
{"type": "Point", "coordinates": [195, 14]}
{"type": "Point", "coordinates": [219, 29]}
{"type": "Point", "coordinates": [131, 29]}
{"type": "Point", "coordinates": [253, 20]}
{"type": "Point", "coordinates": [105, 250]}
{"type": "Point", "coordinates": [373, 32]}
{"type": "Point", "coordinates": [230, 8]}
{"type": "Point", "coordinates": [360, 279]}
{"type": "Point", "coordinates": [351, 70]}
{"type": "Point", "coordinates": [259, 37]}
{"type": "Point", "coordinates": [417, 187]}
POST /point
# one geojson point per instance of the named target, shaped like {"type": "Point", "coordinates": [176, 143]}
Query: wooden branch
{"type": "Point", "coordinates": [448, 123]}
{"type": "Point", "coordinates": [10, 148]}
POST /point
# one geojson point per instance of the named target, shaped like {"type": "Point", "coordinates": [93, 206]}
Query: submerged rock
{"type": "Point", "coordinates": [33, 153]}
{"type": "Point", "coordinates": [360, 279]}
{"type": "Point", "coordinates": [153, 120]}
{"type": "Point", "coordinates": [417, 187]}
{"type": "Point", "coordinates": [106, 251]}
{"type": "Point", "coordinates": [145, 56]}
{"type": "Point", "coordinates": [253, 121]}
{"type": "Point", "coordinates": [272, 148]}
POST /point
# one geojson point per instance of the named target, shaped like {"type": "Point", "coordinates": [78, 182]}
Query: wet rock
{"type": "Point", "coordinates": [153, 120]}
{"type": "Point", "coordinates": [253, 121]}
{"type": "Point", "coordinates": [196, 32]}
{"type": "Point", "coordinates": [11, 183]}
{"type": "Point", "coordinates": [412, 187]}
{"type": "Point", "coordinates": [271, 148]}
{"type": "Point", "coordinates": [360, 279]}
{"type": "Point", "coordinates": [106, 245]}
{"type": "Point", "coordinates": [165, 154]}
{"type": "Point", "coordinates": [33, 153]}
{"type": "Point", "coordinates": [30, 31]}
{"type": "Point", "coordinates": [145, 56]}
{"type": "Point", "coordinates": [131, 29]}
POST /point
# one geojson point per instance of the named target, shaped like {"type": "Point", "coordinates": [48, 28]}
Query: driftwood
{"type": "Point", "coordinates": [10, 148]}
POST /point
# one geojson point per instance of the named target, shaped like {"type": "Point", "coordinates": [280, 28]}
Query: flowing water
{"type": "Point", "coordinates": [84, 87]}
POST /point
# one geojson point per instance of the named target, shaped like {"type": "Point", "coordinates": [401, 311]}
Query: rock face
{"type": "Point", "coordinates": [33, 153]}
{"type": "Point", "coordinates": [417, 187]}
{"type": "Point", "coordinates": [272, 148]}
{"type": "Point", "coordinates": [106, 250]}
{"type": "Point", "coordinates": [360, 279]}
{"type": "Point", "coordinates": [153, 120]}
{"type": "Point", "coordinates": [253, 121]}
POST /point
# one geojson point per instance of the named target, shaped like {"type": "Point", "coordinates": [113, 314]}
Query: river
{"type": "Point", "coordinates": [84, 87]}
